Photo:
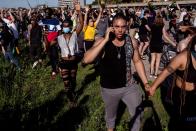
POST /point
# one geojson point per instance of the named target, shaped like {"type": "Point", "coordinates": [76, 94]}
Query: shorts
{"type": "Point", "coordinates": [156, 49]}
{"type": "Point", "coordinates": [68, 64]}
{"type": "Point", "coordinates": [143, 38]}
{"type": "Point", "coordinates": [52, 36]}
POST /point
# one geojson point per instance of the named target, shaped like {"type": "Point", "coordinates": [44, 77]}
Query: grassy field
{"type": "Point", "coordinates": [31, 101]}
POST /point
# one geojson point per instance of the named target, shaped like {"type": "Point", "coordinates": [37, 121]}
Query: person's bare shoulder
{"type": "Point", "coordinates": [180, 59]}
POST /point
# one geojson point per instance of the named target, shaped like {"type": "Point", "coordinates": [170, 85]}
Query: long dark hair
{"type": "Point", "coordinates": [183, 91]}
{"type": "Point", "coordinates": [119, 15]}
{"type": "Point", "coordinates": [158, 20]}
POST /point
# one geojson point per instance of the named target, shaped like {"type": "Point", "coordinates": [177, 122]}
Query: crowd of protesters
{"type": "Point", "coordinates": [113, 38]}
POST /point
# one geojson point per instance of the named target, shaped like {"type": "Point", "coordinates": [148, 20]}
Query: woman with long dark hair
{"type": "Point", "coordinates": [156, 45]}
{"type": "Point", "coordinates": [35, 41]}
{"type": "Point", "coordinates": [183, 92]}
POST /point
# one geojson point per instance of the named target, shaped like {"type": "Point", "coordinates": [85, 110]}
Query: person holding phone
{"type": "Point", "coordinates": [115, 71]}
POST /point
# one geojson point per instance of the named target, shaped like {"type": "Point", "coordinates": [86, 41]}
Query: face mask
{"type": "Point", "coordinates": [66, 30]}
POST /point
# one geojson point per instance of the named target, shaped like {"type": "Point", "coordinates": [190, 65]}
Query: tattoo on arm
{"type": "Point", "coordinates": [170, 69]}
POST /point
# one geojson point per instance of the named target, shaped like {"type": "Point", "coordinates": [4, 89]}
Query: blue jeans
{"type": "Point", "coordinates": [53, 56]}
{"type": "Point", "coordinates": [10, 57]}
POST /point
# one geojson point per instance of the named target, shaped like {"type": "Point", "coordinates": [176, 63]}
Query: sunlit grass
{"type": "Point", "coordinates": [33, 100]}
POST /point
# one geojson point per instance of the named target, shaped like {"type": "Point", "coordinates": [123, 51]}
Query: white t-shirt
{"type": "Point", "coordinates": [12, 27]}
{"type": "Point", "coordinates": [53, 24]}
{"type": "Point", "coordinates": [182, 16]}
{"type": "Point", "coordinates": [65, 46]}
{"type": "Point", "coordinates": [194, 23]}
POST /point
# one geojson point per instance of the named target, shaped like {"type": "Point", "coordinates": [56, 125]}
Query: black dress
{"type": "Point", "coordinates": [156, 45]}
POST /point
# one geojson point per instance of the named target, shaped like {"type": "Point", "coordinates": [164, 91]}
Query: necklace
{"type": "Point", "coordinates": [67, 44]}
{"type": "Point", "coordinates": [118, 49]}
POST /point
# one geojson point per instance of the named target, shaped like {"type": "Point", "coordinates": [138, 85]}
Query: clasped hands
{"type": "Point", "coordinates": [150, 90]}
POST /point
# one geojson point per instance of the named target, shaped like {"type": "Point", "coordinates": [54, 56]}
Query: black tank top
{"type": "Point", "coordinates": [112, 69]}
{"type": "Point", "coordinates": [191, 77]}
{"type": "Point", "coordinates": [36, 35]}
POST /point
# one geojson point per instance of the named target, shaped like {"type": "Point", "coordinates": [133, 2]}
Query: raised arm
{"type": "Point", "coordinates": [63, 13]}
{"type": "Point", "coordinates": [81, 22]}
{"type": "Point", "coordinates": [99, 16]}
{"type": "Point", "coordinates": [1, 13]}
{"type": "Point", "coordinates": [178, 6]}
{"type": "Point", "coordinates": [12, 17]}
{"type": "Point", "coordinates": [85, 16]}
{"type": "Point", "coordinates": [20, 15]}
{"type": "Point", "coordinates": [29, 13]}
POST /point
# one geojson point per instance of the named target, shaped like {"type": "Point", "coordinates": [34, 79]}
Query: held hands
{"type": "Point", "coordinates": [150, 89]}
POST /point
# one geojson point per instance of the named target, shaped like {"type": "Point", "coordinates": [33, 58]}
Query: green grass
{"type": "Point", "coordinates": [29, 100]}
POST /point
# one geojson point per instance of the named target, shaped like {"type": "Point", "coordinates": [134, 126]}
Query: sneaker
{"type": "Point", "coordinates": [53, 75]}
{"type": "Point", "coordinates": [34, 64]}
{"type": "Point", "coordinates": [151, 75]}
{"type": "Point", "coordinates": [155, 76]}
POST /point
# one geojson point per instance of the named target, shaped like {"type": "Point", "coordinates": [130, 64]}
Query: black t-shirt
{"type": "Point", "coordinates": [135, 23]}
{"type": "Point", "coordinates": [36, 35]}
{"type": "Point", "coordinates": [6, 39]}
{"type": "Point", "coordinates": [156, 33]}
{"type": "Point", "coordinates": [112, 69]}
{"type": "Point", "coordinates": [142, 29]}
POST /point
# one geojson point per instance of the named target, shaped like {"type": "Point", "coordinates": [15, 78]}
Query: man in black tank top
{"type": "Point", "coordinates": [115, 71]}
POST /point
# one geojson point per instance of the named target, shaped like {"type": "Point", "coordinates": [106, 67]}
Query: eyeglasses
{"type": "Point", "coordinates": [118, 27]}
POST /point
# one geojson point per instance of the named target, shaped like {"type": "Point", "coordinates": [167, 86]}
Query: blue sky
{"type": "Point", "coordinates": [23, 3]}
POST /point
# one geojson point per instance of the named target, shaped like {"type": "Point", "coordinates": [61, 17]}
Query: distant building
{"type": "Point", "coordinates": [82, 2]}
{"type": "Point", "coordinates": [66, 3]}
